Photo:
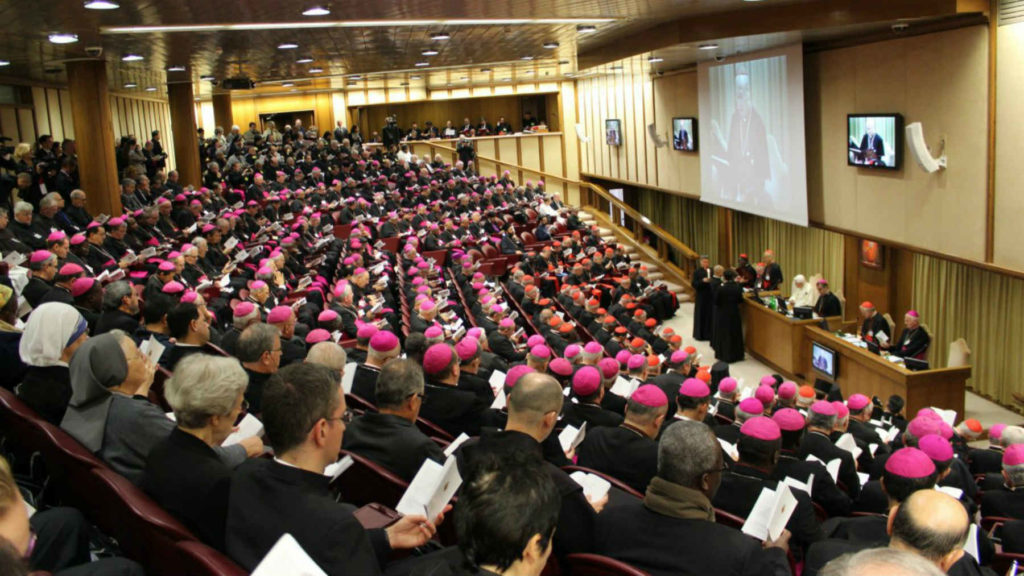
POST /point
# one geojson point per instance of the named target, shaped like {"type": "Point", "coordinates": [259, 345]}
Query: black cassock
{"type": "Point", "coordinates": [728, 332]}
{"type": "Point", "coordinates": [704, 306]}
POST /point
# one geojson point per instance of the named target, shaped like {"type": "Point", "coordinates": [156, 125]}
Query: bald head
{"type": "Point", "coordinates": [932, 524]}
{"type": "Point", "coordinates": [534, 396]}
{"type": "Point", "coordinates": [875, 561]}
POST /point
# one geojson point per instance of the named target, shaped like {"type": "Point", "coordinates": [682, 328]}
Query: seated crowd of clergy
{"type": "Point", "coordinates": [152, 336]}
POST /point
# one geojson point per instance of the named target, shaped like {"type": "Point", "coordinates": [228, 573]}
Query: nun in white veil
{"type": "Point", "coordinates": [801, 293]}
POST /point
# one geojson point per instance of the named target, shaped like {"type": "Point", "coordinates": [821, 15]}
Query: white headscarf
{"type": "Point", "coordinates": [801, 296]}
{"type": "Point", "coordinates": [50, 329]}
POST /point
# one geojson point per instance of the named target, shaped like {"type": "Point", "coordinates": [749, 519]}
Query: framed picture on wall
{"type": "Point", "coordinates": [872, 254]}
{"type": "Point", "coordinates": [613, 132]}
{"type": "Point", "coordinates": [684, 134]}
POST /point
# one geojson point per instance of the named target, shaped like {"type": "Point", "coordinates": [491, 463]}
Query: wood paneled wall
{"type": "Point", "coordinates": [140, 117]}
{"type": "Point", "coordinates": [440, 111]}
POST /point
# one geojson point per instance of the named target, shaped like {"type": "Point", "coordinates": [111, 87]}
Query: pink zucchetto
{"type": "Point", "coordinates": [540, 351]}
{"type": "Point", "coordinates": [437, 358]}
{"type": "Point", "coordinates": [761, 428]}
{"type": "Point", "coordinates": [789, 419]}
{"type": "Point", "coordinates": [427, 306]}
{"type": "Point", "coordinates": [787, 390]}
{"type": "Point", "coordinates": [81, 286]}
{"type": "Point", "coordinates": [366, 331]}
{"type": "Point", "coordinates": [995, 431]}
{"type": "Point", "coordinates": [535, 340]}
{"type": "Point", "coordinates": [623, 356]}
{"type": "Point", "coordinates": [768, 380]}
{"type": "Point", "coordinates": [650, 395]}
{"type": "Point", "coordinates": [678, 357]}
{"type": "Point", "coordinates": [515, 373]}
{"type": "Point", "coordinates": [857, 402]}
{"type": "Point", "coordinates": [841, 410]}
{"type": "Point", "coordinates": [586, 381]}
{"type": "Point", "coordinates": [70, 269]}
{"type": "Point", "coordinates": [593, 348]}
{"type": "Point", "coordinates": [765, 394]}
{"type": "Point", "coordinates": [910, 463]}
{"type": "Point", "coordinates": [279, 314]}
{"type": "Point", "coordinates": [506, 323]}
{"type": "Point", "coordinates": [189, 297]}
{"type": "Point", "coordinates": [609, 367]}
{"type": "Point", "coordinates": [467, 348]}
{"type": "Point", "coordinates": [936, 447]}
{"type": "Point", "coordinates": [433, 332]}
{"type": "Point", "coordinates": [921, 427]}
{"type": "Point", "coordinates": [77, 239]}
{"type": "Point", "coordinates": [694, 388]}
{"type": "Point", "coordinates": [383, 341]}
{"type": "Point", "coordinates": [636, 361]}
{"type": "Point", "coordinates": [166, 266]}
{"type": "Point", "coordinates": [727, 385]}
{"type": "Point", "coordinates": [317, 335]}
{"type": "Point", "coordinates": [572, 351]}
{"type": "Point", "coordinates": [751, 406]}
{"type": "Point", "coordinates": [243, 309]}
{"type": "Point", "coordinates": [56, 236]}
{"type": "Point", "coordinates": [560, 367]}
{"type": "Point", "coordinates": [173, 287]}
{"type": "Point", "coordinates": [823, 408]}
{"type": "Point", "coordinates": [1014, 455]}
{"type": "Point", "coordinates": [327, 316]}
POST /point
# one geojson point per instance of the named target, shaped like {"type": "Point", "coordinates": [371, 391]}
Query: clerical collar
{"type": "Point", "coordinates": [283, 463]}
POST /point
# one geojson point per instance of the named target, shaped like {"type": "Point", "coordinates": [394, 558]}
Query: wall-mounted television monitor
{"type": "Point", "coordinates": [684, 134]}
{"type": "Point", "coordinates": [823, 360]}
{"type": "Point", "coordinates": [613, 132]}
{"type": "Point", "coordinates": [875, 141]}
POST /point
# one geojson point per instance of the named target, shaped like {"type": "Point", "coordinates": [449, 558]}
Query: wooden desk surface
{"type": "Point", "coordinates": [861, 371]}
{"type": "Point", "coordinates": [776, 339]}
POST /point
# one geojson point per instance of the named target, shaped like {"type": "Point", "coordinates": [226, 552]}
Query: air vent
{"type": "Point", "coordinates": [1011, 12]}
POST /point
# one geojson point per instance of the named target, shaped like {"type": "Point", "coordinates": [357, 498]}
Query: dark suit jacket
{"type": "Point", "coordinates": [823, 448]}
{"type": "Point", "coordinates": [594, 415]}
{"type": "Point", "coordinates": [391, 441]}
{"type": "Point", "coordinates": [916, 344]}
{"type": "Point", "coordinates": [187, 478]}
{"type": "Point", "coordinates": [621, 452]}
{"type": "Point", "coordinates": [1003, 502]}
{"type": "Point", "coordinates": [170, 358]}
{"type": "Point", "coordinates": [823, 491]}
{"type": "Point", "coordinates": [828, 305]}
{"type": "Point", "coordinates": [364, 383]}
{"type": "Point", "coordinates": [872, 325]}
{"type": "Point", "coordinates": [666, 546]}
{"type": "Point", "coordinates": [115, 320]}
{"type": "Point", "coordinates": [985, 460]}
{"type": "Point", "coordinates": [269, 499]}
{"type": "Point", "coordinates": [739, 491]}
{"type": "Point", "coordinates": [455, 410]}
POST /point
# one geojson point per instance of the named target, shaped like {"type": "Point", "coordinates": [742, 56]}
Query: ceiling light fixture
{"type": "Point", "coordinates": [440, 36]}
{"type": "Point", "coordinates": [5, 62]}
{"type": "Point", "coordinates": [711, 46]}
{"type": "Point", "coordinates": [586, 25]}
{"type": "Point", "coordinates": [429, 52]}
{"type": "Point", "coordinates": [422, 64]}
{"type": "Point", "coordinates": [131, 58]}
{"type": "Point", "coordinates": [102, 5]}
{"type": "Point", "coordinates": [506, 79]}
{"type": "Point", "coordinates": [526, 58]}
{"type": "Point", "coordinates": [415, 77]}
{"type": "Point", "coordinates": [287, 46]}
{"type": "Point", "coordinates": [551, 45]}
{"type": "Point", "coordinates": [315, 70]}
{"type": "Point", "coordinates": [655, 59]}
{"type": "Point", "coordinates": [130, 84]}
{"type": "Point", "coordinates": [355, 77]}
{"type": "Point", "coordinates": [287, 84]}
{"type": "Point", "coordinates": [63, 38]}
{"type": "Point", "coordinates": [151, 89]}
{"type": "Point", "coordinates": [175, 68]}
{"type": "Point", "coordinates": [207, 78]}
{"type": "Point", "coordinates": [316, 11]}
{"type": "Point", "coordinates": [305, 60]}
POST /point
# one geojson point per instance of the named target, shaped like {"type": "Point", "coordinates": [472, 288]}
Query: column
{"type": "Point", "coordinates": [222, 111]}
{"type": "Point", "coordinates": [183, 126]}
{"type": "Point", "coordinates": [94, 135]}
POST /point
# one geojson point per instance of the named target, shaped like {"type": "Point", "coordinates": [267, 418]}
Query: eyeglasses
{"type": "Point", "coordinates": [724, 467]}
{"type": "Point", "coordinates": [347, 417]}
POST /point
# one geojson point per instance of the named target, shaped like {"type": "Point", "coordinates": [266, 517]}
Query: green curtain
{"type": "Point", "coordinates": [691, 221]}
{"type": "Point", "coordinates": [798, 250]}
{"type": "Point", "coordinates": [984, 308]}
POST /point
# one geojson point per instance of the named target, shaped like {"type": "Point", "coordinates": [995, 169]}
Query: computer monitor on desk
{"type": "Point", "coordinates": [803, 312]}
{"type": "Point", "coordinates": [873, 347]}
{"type": "Point", "coordinates": [914, 364]}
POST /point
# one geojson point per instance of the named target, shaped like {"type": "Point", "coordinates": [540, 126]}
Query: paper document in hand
{"type": "Point", "coordinates": [153, 349]}
{"type": "Point", "coordinates": [624, 388]}
{"type": "Point", "coordinates": [431, 489]}
{"type": "Point", "coordinates": [882, 337]}
{"type": "Point", "coordinates": [249, 427]}
{"type": "Point", "coordinates": [954, 492]}
{"type": "Point", "coordinates": [346, 379]}
{"type": "Point", "coordinates": [230, 243]}
{"type": "Point", "coordinates": [971, 545]}
{"type": "Point", "coordinates": [497, 380]}
{"type": "Point", "coordinates": [338, 468]}
{"type": "Point", "coordinates": [864, 477]}
{"type": "Point", "coordinates": [571, 437]}
{"type": "Point", "coordinates": [846, 442]}
{"type": "Point", "coordinates": [948, 416]}
{"type": "Point", "coordinates": [455, 444]}
{"type": "Point", "coordinates": [832, 466]}
{"type": "Point", "coordinates": [730, 449]}
{"type": "Point", "coordinates": [798, 485]}
{"type": "Point", "coordinates": [771, 512]}
{"type": "Point", "coordinates": [287, 558]}
{"type": "Point", "coordinates": [594, 487]}
{"type": "Point", "coordinates": [499, 401]}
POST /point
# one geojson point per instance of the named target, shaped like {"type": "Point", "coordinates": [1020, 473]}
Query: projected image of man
{"type": "Point", "coordinates": [746, 150]}
{"type": "Point", "coordinates": [872, 148]}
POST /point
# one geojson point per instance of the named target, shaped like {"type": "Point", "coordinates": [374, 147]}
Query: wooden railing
{"type": "Point", "coordinates": [676, 260]}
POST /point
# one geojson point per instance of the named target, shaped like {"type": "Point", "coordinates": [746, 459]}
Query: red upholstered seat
{"type": "Point", "coordinates": [529, 238]}
{"type": "Point", "coordinates": [489, 251]}
{"type": "Point", "coordinates": [67, 461]}
{"type": "Point", "coordinates": [366, 482]}
{"type": "Point", "coordinates": [198, 559]}
{"type": "Point", "coordinates": [22, 430]}
{"type": "Point", "coordinates": [431, 429]}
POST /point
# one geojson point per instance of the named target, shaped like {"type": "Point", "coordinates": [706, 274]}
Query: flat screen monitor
{"type": "Point", "coordinates": [823, 360]}
{"type": "Point", "coordinates": [684, 134]}
{"type": "Point", "coordinates": [913, 364]}
{"type": "Point", "coordinates": [875, 141]}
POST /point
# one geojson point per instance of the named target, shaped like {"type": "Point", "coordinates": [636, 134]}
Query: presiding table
{"type": "Point", "coordinates": [776, 339]}
{"type": "Point", "coordinates": [859, 370]}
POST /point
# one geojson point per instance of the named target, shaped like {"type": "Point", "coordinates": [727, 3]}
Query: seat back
{"type": "Point", "coordinates": [489, 251]}
{"type": "Point", "coordinates": [431, 429]}
{"type": "Point", "coordinates": [145, 531]}
{"type": "Point", "coordinates": [725, 519]}
{"type": "Point", "coordinates": [366, 482]}
{"type": "Point", "coordinates": [67, 462]}
{"type": "Point", "coordinates": [959, 354]}
{"type": "Point", "coordinates": [597, 565]}
{"type": "Point", "coordinates": [20, 425]}
{"type": "Point", "coordinates": [198, 559]}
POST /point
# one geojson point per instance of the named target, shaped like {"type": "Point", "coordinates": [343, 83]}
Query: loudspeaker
{"type": "Point", "coordinates": [652, 132]}
{"type": "Point", "coordinates": [916, 143]}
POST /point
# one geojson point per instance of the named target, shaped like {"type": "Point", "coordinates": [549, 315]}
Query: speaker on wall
{"type": "Point", "coordinates": [919, 149]}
